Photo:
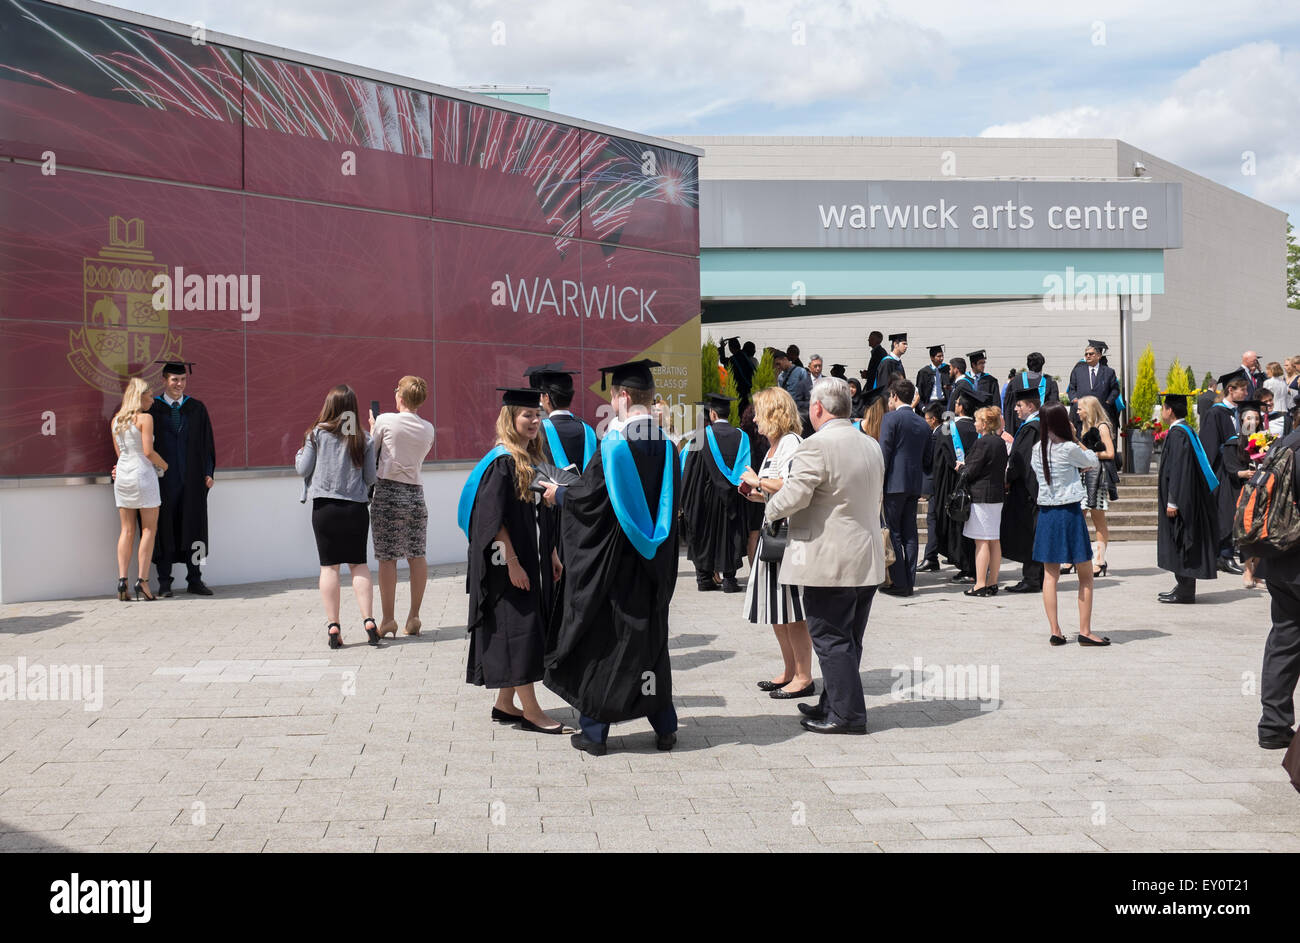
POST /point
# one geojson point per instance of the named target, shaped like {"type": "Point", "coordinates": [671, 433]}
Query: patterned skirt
{"type": "Point", "coordinates": [399, 520]}
{"type": "Point", "coordinates": [767, 601]}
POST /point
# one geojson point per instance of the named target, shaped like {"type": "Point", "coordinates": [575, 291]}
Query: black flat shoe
{"type": "Point", "coordinates": [991, 590]}
{"type": "Point", "coordinates": [1059, 639]}
{"type": "Point", "coordinates": [336, 638]}
{"type": "Point", "coordinates": [198, 589]}
{"type": "Point", "coordinates": [665, 742]}
{"type": "Point", "coordinates": [707, 587]}
{"type": "Point", "coordinates": [825, 726]}
{"type": "Point", "coordinates": [781, 695]}
{"type": "Point", "coordinates": [974, 592]}
{"type": "Point", "coordinates": [962, 578]}
{"type": "Point", "coordinates": [372, 632]}
{"type": "Point", "coordinates": [526, 724]}
{"type": "Point", "coordinates": [812, 710]}
{"type": "Point", "coordinates": [501, 717]}
{"type": "Point", "coordinates": [1084, 640]}
{"type": "Point", "coordinates": [1274, 743]}
{"type": "Point", "coordinates": [929, 568]}
{"type": "Point", "coordinates": [165, 590]}
{"type": "Point", "coordinates": [1175, 598]}
{"type": "Point", "coordinates": [770, 685]}
{"type": "Point", "coordinates": [731, 586]}
{"type": "Point", "coordinates": [1023, 587]}
{"type": "Point", "coordinates": [580, 742]}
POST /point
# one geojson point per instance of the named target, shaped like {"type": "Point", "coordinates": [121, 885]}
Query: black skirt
{"type": "Point", "coordinates": [341, 528]}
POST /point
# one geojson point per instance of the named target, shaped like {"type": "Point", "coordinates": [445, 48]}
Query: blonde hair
{"type": "Point", "coordinates": [988, 419]}
{"type": "Point", "coordinates": [526, 454]}
{"type": "Point", "coordinates": [131, 403]}
{"type": "Point", "coordinates": [413, 390]}
{"type": "Point", "coordinates": [873, 417]}
{"type": "Point", "coordinates": [1093, 415]}
{"type": "Point", "coordinates": [775, 414]}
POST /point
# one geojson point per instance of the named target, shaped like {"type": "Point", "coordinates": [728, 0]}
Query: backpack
{"type": "Point", "coordinates": [1267, 522]}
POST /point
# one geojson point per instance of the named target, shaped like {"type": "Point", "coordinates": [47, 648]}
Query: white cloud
{"type": "Point", "coordinates": [1242, 100]}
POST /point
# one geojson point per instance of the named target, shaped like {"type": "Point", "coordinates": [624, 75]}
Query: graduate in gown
{"type": "Point", "coordinates": [891, 365]}
{"type": "Point", "coordinates": [1219, 426]}
{"type": "Point", "coordinates": [1187, 536]}
{"type": "Point", "coordinates": [1239, 468]}
{"type": "Point", "coordinates": [934, 380]}
{"type": "Point", "coordinates": [957, 437]}
{"type": "Point", "coordinates": [1020, 508]}
{"type": "Point", "coordinates": [509, 563]}
{"type": "Point", "coordinates": [714, 512]}
{"type": "Point", "coordinates": [183, 438]}
{"type": "Point", "coordinates": [609, 657]}
{"type": "Point", "coordinates": [566, 438]}
{"type": "Point", "coordinates": [975, 378]}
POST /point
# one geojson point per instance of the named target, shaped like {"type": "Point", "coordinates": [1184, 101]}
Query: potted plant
{"type": "Point", "coordinates": [1143, 433]}
{"type": "Point", "coordinates": [1139, 432]}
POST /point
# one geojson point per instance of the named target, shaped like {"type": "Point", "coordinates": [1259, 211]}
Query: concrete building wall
{"type": "Point", "coordinates": [1224, 290]}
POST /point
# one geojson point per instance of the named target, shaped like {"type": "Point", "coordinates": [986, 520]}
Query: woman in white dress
{"type": "Point", "coordinates": [767, 601]}
{"type": "Point", "coordinates": [135, 486]}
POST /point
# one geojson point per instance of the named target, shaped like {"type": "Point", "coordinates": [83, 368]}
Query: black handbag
{"type": "Point", "coordinates": [958, 507]}
{"type": "Point", "coordinates": [772, 541]}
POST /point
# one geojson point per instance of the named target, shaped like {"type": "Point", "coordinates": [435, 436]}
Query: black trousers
{"type": "Point", "coordinates": [931, 525]}
{"type": "Point", "coordinates": [1031, 571]}
{"type": "Point", "coordinates": [1281, 662]}
{"type": "Point", "coordinates": [704, 577]}
{"type": "Point", "coordinates": [837, 619]}
{"type": "Point", "coordinates": [900, 518]}
{"type": "Point", "coordinates": [1185, 585]}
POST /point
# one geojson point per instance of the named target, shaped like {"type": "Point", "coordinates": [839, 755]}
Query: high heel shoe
{"type": "Point", "coordinates": [1099, 570]}
{"type": "Point", "coordinates": [336, 638]}
{"type": "Point", "coordinates": [412, 626]}
{"type": "Point", "coordinates": [121, 590]}
{"type": "Point", "coordinates": [372, 632]}
{"type": "Point", "coordinates": [1067, 569]}
{"type": "Point", "coordinates": [388, 628]}
{"type": "Point", "coordinates": [142, 588]}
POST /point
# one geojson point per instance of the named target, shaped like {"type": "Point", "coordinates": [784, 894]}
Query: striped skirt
{"type": "Point", "coordinates": [767, 602]}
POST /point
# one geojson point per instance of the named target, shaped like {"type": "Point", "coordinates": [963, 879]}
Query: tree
{"type": "Point", "coordinates": [765, 375]}
{"type": "Point", "coordinates": [1191, 379]}
{"type": "Point", "coordinates": [1208, 382]}
{"type": "Point", "coordinates": [1177, 381]}
{"type": "Point", "coordinates": [1145, 391]}
{"type": "Point", "coordinates": [1292, 268]}
{"type": "Point", "coordinates": [709, 381]}
{"type": "Point", "coordinates": [730, 389]}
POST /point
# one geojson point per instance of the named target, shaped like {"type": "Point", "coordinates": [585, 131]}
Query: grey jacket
{"type": "Point", "coordinates": [327, 469]}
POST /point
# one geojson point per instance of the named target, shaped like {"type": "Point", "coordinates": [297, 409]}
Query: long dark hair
{"type": "Point", "coordinates": [1054, 423]}
{"type": "Point", "coordinates": [339, 417]}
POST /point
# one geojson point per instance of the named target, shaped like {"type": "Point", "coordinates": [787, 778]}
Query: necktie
{"type": "Point", "coordinates": [176, 417]}
{"type": "Point", "coordinates": [1093, 376]}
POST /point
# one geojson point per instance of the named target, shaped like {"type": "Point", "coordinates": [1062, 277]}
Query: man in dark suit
{"type": "Point", "coordinates": [1254, 376]}
{"type": "Point", "coordinates": [1093, 378]}
{"type": "Point", "coordinates": [1281, 670]}
{"type": "Point", "coordinates": [877, 354]}
{"type": "Point", "coordinates": [934, 380]}
{"type": "Point", "coordinates": [903, 438]}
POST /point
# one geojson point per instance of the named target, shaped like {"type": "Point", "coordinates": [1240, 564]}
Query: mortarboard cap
{"type": "Point", "coordinates": [898, 338]}
{"type": "Point", "coordinates": [1170, 395]}
{"type": "Point", "coordinates": [176, 366]}
{"type": "Point", "coordinates": [520, 396]}
{"type": "Point", "coordinates": [635, 375]}
{"type": "Point", "coordinates": [976, 355]}
{"type": "Point", "coordinates": [1026, 392]}
{"type": "Point", "coordinates": [1232, 374]}
{"type": "Point", "coordinates": [936, 349]}
{"type": "Point", "coordinates": [837, 370]}
{"type": "Point", "coordinates": [1099, 346]}
{"type": "Point", "coordinates": [718, 402]}
{"type": "Point", "coordinates": [974, 395]}
{"type": "Point", "coordinates": [1248, 405]}
{"type": "Point", "coordinates": [550, 376]}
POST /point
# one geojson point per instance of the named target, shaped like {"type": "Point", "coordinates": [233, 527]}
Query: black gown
{"type": "Point", "coordinates": [1186, 545]}
{"type": "Point", "coordinates": [1216, 430]}
{"type": "Point", "coordinates": [889, 368]}
{"type": "Point", "coordinates": [507, 625]}
{"type": "Point", "coordinates": [191, 455]}
{"type": "Point", "coordinates": [715, 519]}
{"type": "Point", "coordinates": [1020, 508]}
{"type": "Point", "coordinates": [959, 549]}
{"type": "Point", "coordinates": [611, 636]}
{"type": "Point", "coordinates": [1233, 462]}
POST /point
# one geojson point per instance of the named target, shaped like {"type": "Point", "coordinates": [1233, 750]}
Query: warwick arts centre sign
{"type": "Point", "coordinates": [948, 214]}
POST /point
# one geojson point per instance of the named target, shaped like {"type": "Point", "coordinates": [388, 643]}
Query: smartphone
{"type": "Point", "coordinates": [374, 408]}
{"type": "Point", "coordinates": [746, 488]}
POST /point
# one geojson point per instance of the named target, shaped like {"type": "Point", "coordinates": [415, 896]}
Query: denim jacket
{"type": "Point", "coordinates": [328, 471]}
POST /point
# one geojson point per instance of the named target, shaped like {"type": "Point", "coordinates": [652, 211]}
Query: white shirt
{"type": "Point", "coordinates": [169, 401]}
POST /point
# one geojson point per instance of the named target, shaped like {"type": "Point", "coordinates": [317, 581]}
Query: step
{"type": "Point", "coordinates": [1117, 533]}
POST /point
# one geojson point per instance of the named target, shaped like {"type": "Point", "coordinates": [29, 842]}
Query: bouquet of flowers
{"type": "Point", "coordinates": [1160, 430]}
{"type": "Point", "coordinates": [1258, 444]}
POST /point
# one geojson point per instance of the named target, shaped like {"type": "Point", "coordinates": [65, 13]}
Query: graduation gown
{"type": "Point", "coordinates": [715, 521]}
{"type": "Point", "coordinates": [959, 550]}
{"type": "Point", "coordinates": [1186, 545]}
{"type": "Point", "coordinates": [1020, 507]}
{"type": "Point", "coordinates": [1049, 391]}
{"type": "Point", "coordinates": [611, 635]}
{"type": "Point", "coordinates": [925, 380]}
{"type": "Point", "coordinates": [1217, 429]}
{"type": "Point", "coordinates": [890, 367]}
{"type": "Point", "coordinates": [507, 625]}
{"type": "Point", "coordinates": [1233, 462]}
{"type": "Point", "coordinates": [984, 381]}
{"type": "Point", "coordinates": [572, 433]}
{"type": "Point", "coordinates": [191, 456]}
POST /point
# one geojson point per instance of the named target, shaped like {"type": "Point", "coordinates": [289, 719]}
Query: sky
{"type": "Point", "coordinates": [1213, 87]}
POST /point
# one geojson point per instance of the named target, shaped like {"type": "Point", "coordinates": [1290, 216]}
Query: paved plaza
{"type": "Point", "coordinates": [226, 724]}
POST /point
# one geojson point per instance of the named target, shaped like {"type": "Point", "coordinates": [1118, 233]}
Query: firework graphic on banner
{"type": "Point", "coordinates": [341, 109]}
{"type": "Point", "coordinates": [625, 171]}
{"type": "Point", "coordinates": [71, 52]}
